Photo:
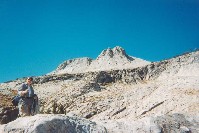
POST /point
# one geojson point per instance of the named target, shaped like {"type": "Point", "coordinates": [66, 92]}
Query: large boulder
{"type": "Point", "coordinates": [50, 123]}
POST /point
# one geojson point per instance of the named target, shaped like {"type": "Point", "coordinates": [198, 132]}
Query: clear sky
{"type": "Point", "coordinates": [37, 35]}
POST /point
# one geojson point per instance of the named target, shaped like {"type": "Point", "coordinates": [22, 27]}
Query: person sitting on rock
{"type": "Point", "coordinates": [28, 98]}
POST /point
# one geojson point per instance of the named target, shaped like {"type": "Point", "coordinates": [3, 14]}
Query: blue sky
{"type": "Point", "coordinates": [37, 35]}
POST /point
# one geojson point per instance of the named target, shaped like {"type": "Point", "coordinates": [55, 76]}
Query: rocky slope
{"type": "Point", "coordinates": [125, 100]}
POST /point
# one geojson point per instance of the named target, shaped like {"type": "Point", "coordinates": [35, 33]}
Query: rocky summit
{"type": "Point", "coordinates": [109, 59]}
{"type": "Point", "coordinates": [114, 93]}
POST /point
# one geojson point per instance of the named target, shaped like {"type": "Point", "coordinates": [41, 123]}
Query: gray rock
{"type": "Point", "coordinates": [52, 124]}
{"type": "Point", "coordinates": [176, 123]}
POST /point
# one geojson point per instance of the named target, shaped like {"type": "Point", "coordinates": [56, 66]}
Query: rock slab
{"type": "Point", "coordinates": [175, 123]}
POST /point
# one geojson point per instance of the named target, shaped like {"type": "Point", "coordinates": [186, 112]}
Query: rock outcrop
{"type": "Point", "coordinates": [174, 123]}
{"type": "Point", "coordinates": [52, 124]}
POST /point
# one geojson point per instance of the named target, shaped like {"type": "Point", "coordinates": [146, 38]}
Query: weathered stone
{"type": "Point", "coordinates": [52, 124]}
{"type": "Point", "coordinates": [176, 123]}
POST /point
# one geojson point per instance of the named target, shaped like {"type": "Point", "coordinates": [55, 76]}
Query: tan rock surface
{"type": "Point", "coordinates": [134, 94]}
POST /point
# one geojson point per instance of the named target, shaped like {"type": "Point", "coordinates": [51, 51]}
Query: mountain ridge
{"type": "Point", "coordinates": [108, 59]}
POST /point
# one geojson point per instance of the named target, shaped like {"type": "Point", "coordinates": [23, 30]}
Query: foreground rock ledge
{"type": "Point", "coordinates": [50, 123]}
{"type": "Point", "coordinates": [174, 123]}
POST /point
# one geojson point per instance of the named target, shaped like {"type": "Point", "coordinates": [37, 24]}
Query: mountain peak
{"type": "Point", "coordinates": [109, 59]}
{"type": "Point", "coordinates": [110, 53]}
{"type": "Point", "coordinates": [106, 52]}
{"type": "Point", "coordinates": [119, 50]}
